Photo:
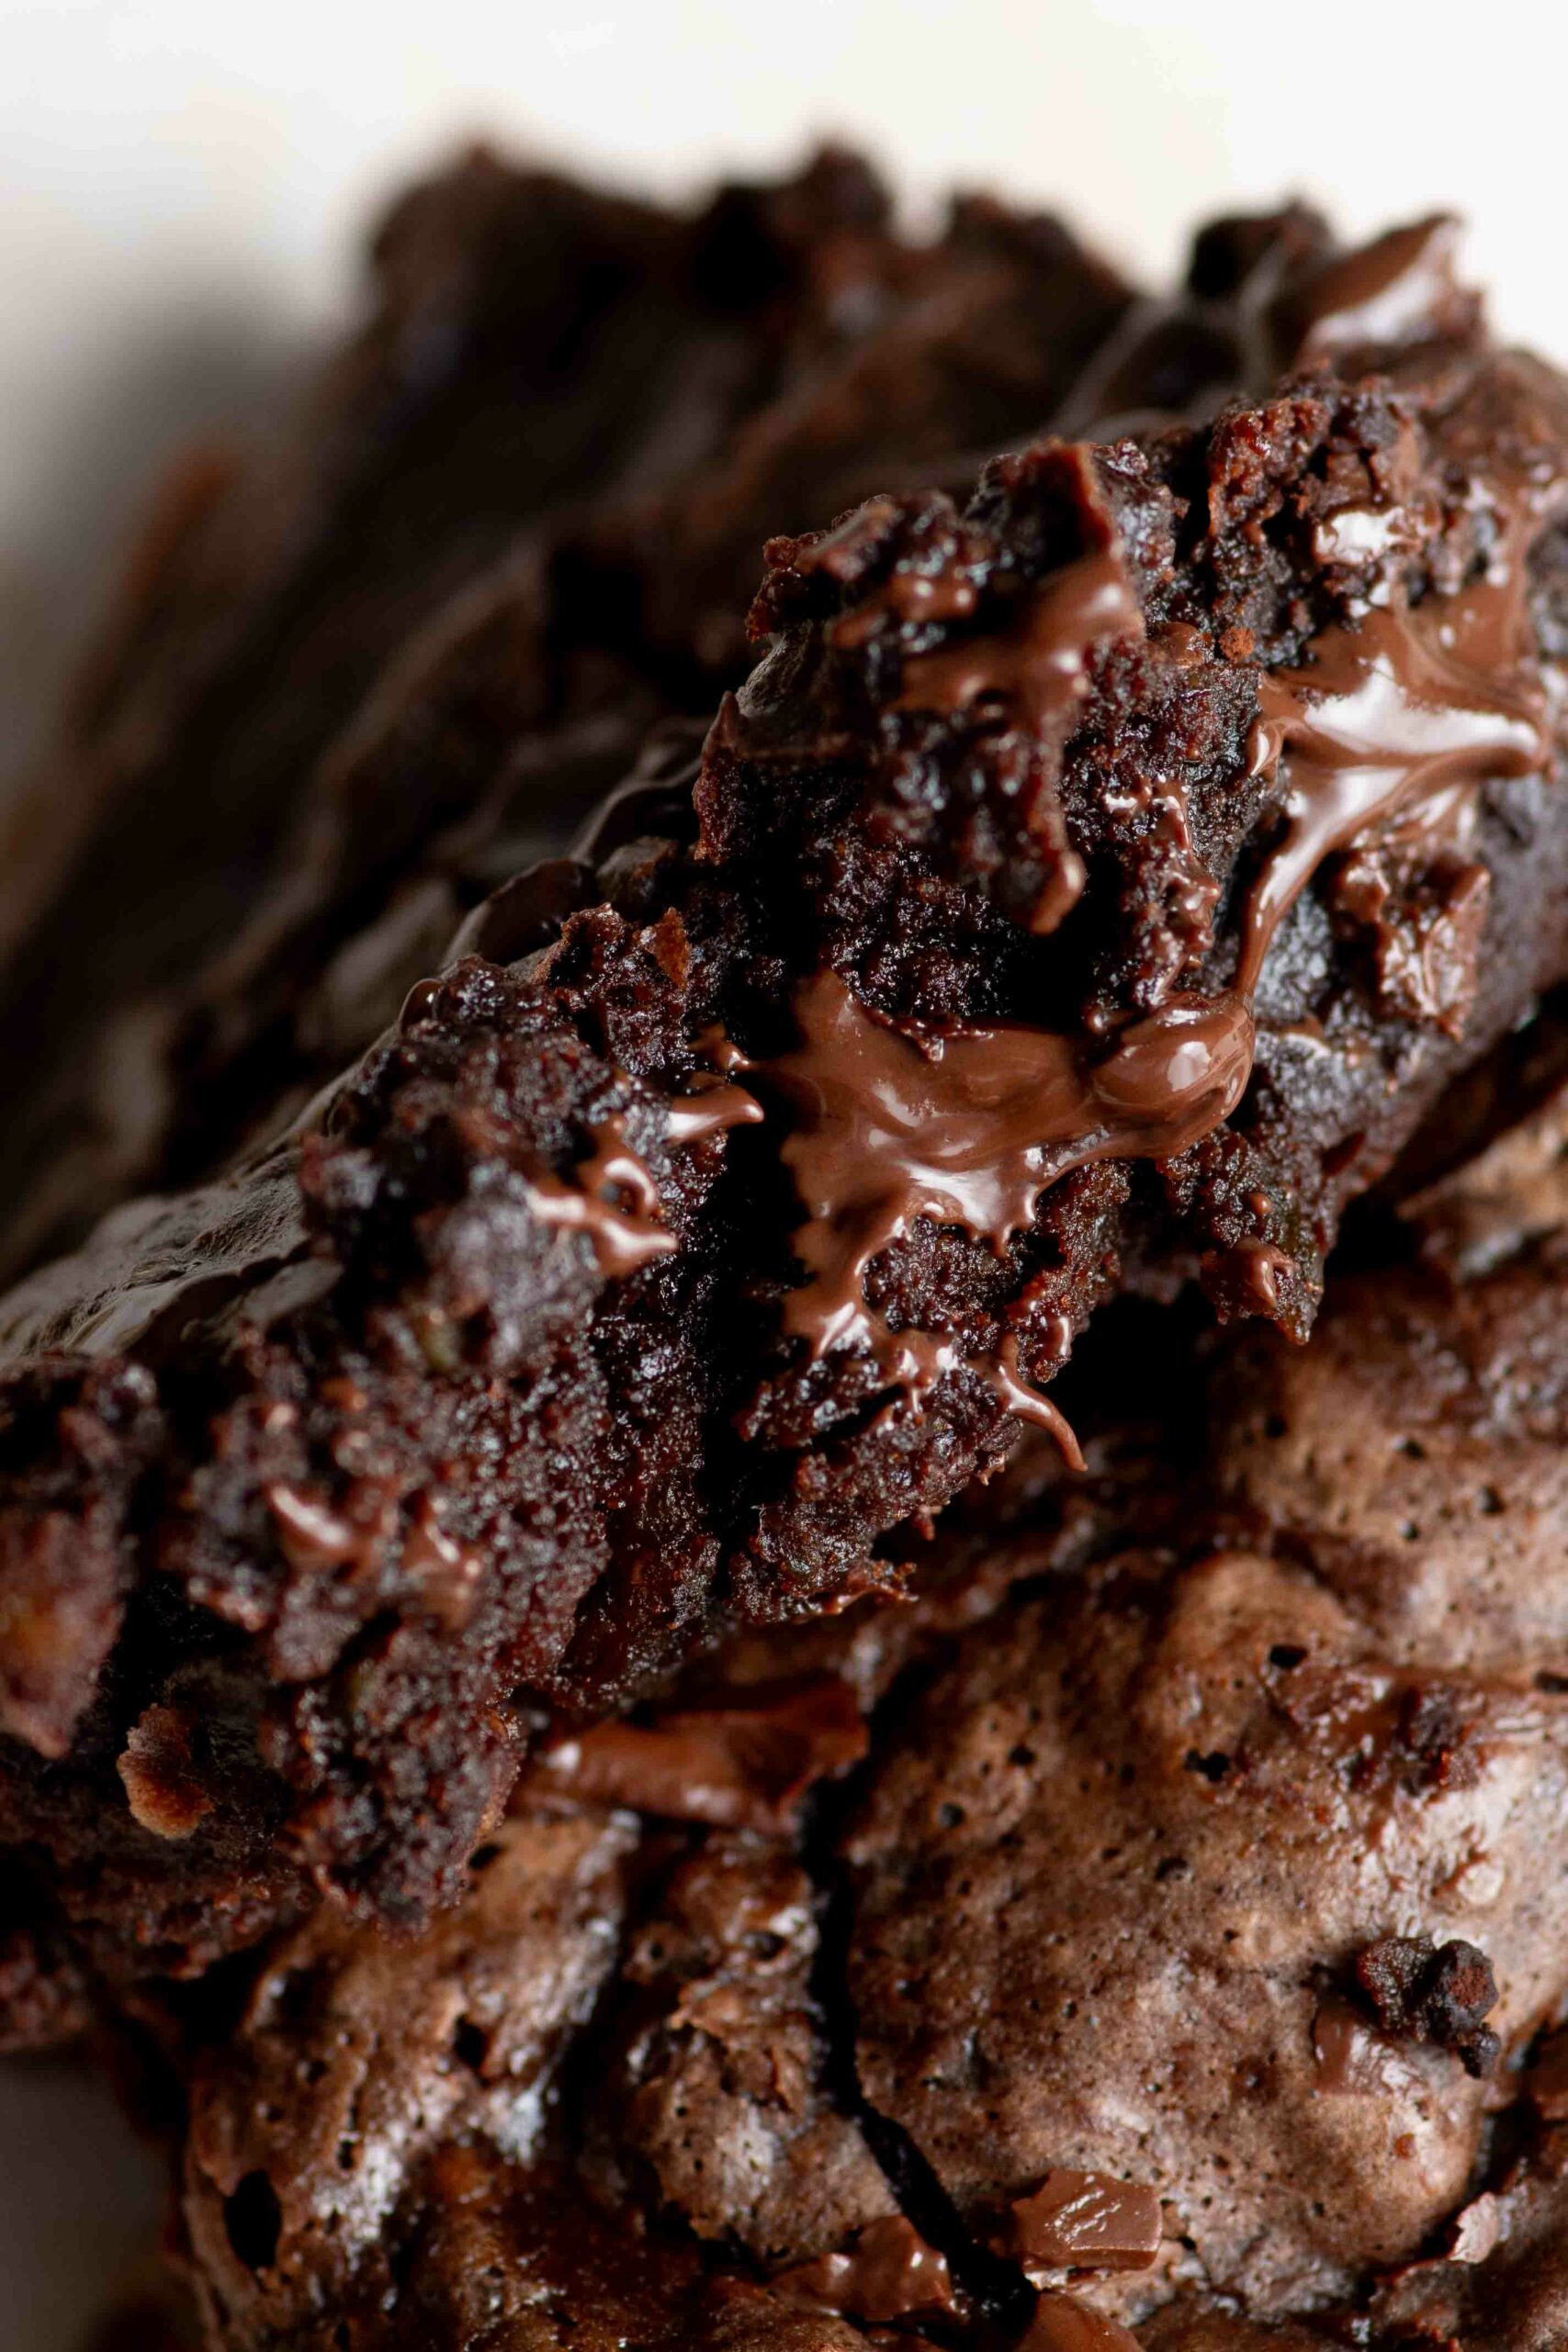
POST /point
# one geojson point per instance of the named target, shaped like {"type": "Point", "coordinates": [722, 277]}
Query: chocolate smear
{"type": "Point", "coordinates": [968, 1130]}
{"type": "Point", "coordinates": [1352, 2056]}
{"type": "Point", "coordinates": [734, 1768]}
{"type": "Point", "coordinates": [1037, 666]}
{"type": "Point", "coordinates": [1395, 721]}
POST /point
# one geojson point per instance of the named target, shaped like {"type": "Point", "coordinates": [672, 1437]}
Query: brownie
{"type": "Point", "coordinates": [1090, 890]}
{"type": "Point", "coordinates": [1139, 1945]}
{"type": "Point", "coordinates": [517, 521]}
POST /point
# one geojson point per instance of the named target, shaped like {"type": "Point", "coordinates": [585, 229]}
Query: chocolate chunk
{"type": "Point", "coordinates": [1086, 2220]}
{"type": "Point", "coordinates": [740, 1767]}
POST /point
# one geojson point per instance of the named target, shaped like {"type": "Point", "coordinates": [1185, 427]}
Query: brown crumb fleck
{"type": "Point", "coordinates": [1421, 1991]}
{"type": "Point", "coordinates": [166, 1791]}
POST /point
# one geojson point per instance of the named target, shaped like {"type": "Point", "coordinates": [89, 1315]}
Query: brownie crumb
{"type": "Point", "coordinates": [1421, 1991]}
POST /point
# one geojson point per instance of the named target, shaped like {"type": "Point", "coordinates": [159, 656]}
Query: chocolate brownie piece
{"type": "Point", "coordinates": [519, 519]}
{"type": "Point", "coordinates": [510, 641]}
{"type": "Point", "coordinates": [1091, 889]}
{"type": "Point", "coordinates": [1052, 2012]}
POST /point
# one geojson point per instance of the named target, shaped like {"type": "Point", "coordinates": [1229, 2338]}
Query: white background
{"type": "Point", "coordinates": [182, 182]}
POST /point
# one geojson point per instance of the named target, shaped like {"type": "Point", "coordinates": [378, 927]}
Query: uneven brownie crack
{"type": "Point", "coordinates": [997, 2288]}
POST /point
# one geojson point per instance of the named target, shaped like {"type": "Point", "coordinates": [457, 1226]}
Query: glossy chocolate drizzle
{"type": "Point", "coordinates": [889, 2273]}
{"type": "Point", "coordinates": [627, 1232]}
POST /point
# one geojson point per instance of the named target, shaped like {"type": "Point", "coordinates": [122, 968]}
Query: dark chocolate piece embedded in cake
{"type": "Point", "coordinates": [1043, 923]}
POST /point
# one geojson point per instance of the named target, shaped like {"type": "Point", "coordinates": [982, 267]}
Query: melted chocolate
{"type": "Point", "coordinates": [1083, 2220]}
{"type": "Point", "coordinates": [1387, 733]}
{"type": "Point", "coordinates": [1353, 2057]}
{"type": "Point", "coordinates": [623, 1241]}
{"type": "Point", "coordinates": [889, 2273]}
{"type": "Point", "coordinates": [968, 1130]}
{"type": "Point", "coordinates": [1039, 668]}
{"type": "Point", "coordinates": [1396, 720]}
{"type": "Point", "coordinates": [909, 596]}
{"type": "Point", "coordinates": [711, 1110]}
{"type": "Point", "coordinates": [734, 1768]}
{"type": "Point", "coordinates": [626, 1237]}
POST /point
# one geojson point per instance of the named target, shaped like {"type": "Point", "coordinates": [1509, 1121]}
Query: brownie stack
{"type": "Point", "coordinates": [688, 1654]}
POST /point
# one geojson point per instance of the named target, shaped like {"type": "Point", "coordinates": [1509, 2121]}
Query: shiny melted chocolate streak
{"type": "Point", "coordinates": [1389, 729]}
{"type": "Point", "coordinates": [625, 1238]}
{"type": "Point", "coordinates": [1041, 666]}
{"type": "Point", "coordinates": [968, 1130]}
{"type": "Point", "coordinates": [1396, 723]}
